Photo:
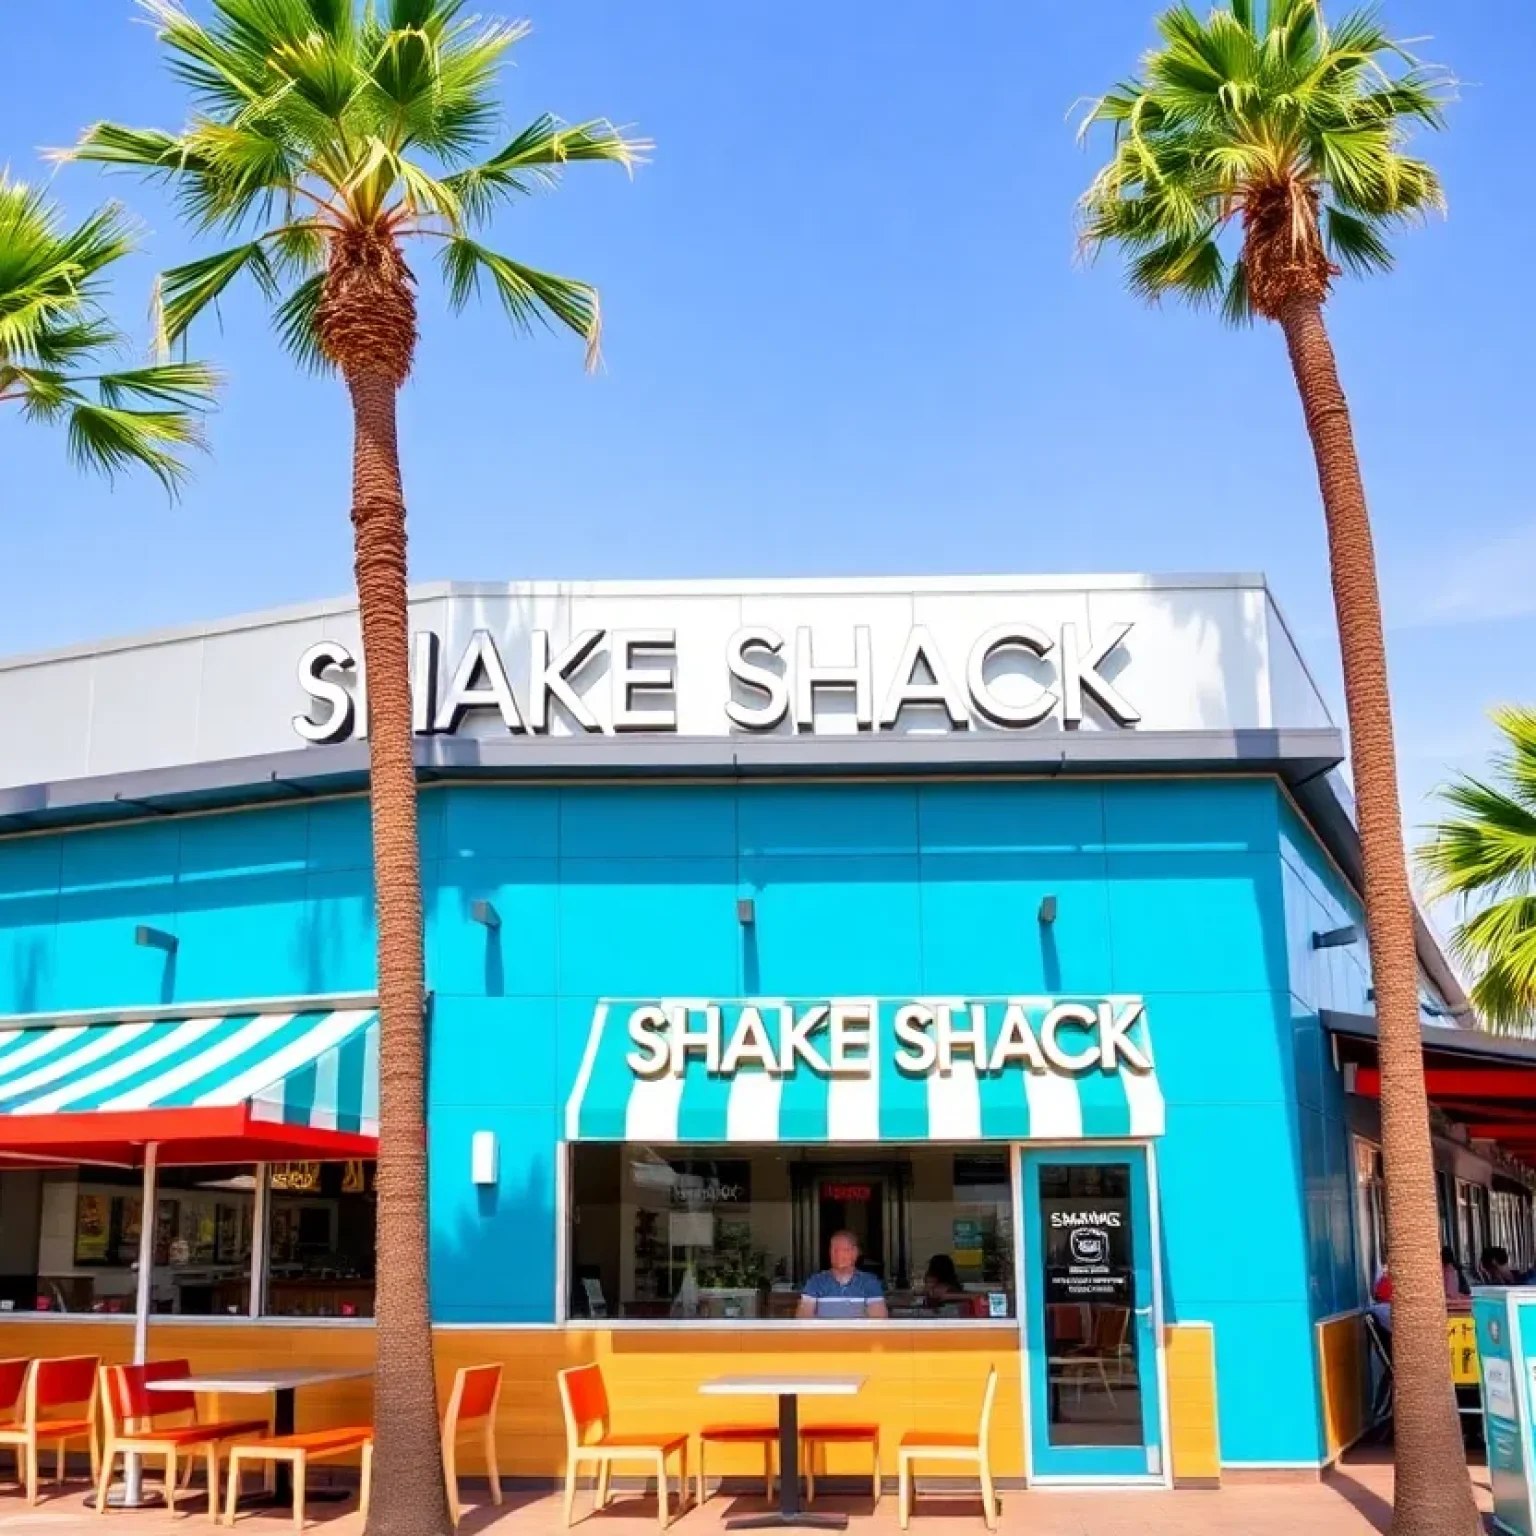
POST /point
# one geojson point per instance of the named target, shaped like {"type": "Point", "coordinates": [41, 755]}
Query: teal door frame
{"type": "Point", "coordinates": [1045, 1464]}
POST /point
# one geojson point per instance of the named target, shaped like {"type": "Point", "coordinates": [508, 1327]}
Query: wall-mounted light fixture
{"type": "Point", "coordinates": [155, 938]}
{"type": "Point", "coordinates": [1336, 938]}
{"type": "Point", "coordinates": [483, 912]}
{"type": "Point", "coordinates": [482, 1157]}
{"type": "Point", "coordinates": [746, 911]}
{"type": "Point", "coordinates": [1047, 913]}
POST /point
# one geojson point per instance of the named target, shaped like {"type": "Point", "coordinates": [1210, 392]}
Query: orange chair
{"type": "Point", "coordinates": [765, 1435]}
{"type": "Point", "coordinates": [13, 1378]}
{"type": "Point", "coordinates": [820, 1436]}
{"type": "Point", "coordinates": [130, 1410]}
{"type": "Point", "coordinates": [938, 1445]}
{"type": "Point", "coordinates": [298, 1451]}
{"type": "Point", "coordinates": [52, 1385]}
{"type": "Point", "coordinates": [584, 1399]}
{"type": "Point", "coordinates": [472, 1404]}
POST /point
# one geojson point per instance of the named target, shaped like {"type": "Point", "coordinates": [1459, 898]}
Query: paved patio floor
{"type": "Point", "coordinates": [1354, 1501]}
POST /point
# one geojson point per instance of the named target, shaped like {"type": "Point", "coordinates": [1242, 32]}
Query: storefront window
{"type": "Point", "coordinates": [321, 1219]}
{"type": "Point", "coordinates": [737, 1232]}
{"type": "Point", "coordinates": [69, 1240]}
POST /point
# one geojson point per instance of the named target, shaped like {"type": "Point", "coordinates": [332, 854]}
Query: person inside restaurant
{"type": "Point", "coordinates": [942, 1283]}
{"type": "Point", "coordinates": [843, 1290]}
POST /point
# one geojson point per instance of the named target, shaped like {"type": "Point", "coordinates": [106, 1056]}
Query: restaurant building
{"type": "Point", "coordinates": [1012, 922]}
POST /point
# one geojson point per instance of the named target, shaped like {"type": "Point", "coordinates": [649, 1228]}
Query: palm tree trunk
{"type": "Point", "coordinates": [1433, 1488]}
{"type": "Point", "coordinates": [408, 1494]}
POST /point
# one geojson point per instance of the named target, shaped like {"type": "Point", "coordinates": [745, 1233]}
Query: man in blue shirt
{"type": "Point", "coordinates": [844, 1290]}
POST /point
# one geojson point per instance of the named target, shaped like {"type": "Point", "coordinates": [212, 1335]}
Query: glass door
{"type": "Point", "coordinates": [1089, 1324]}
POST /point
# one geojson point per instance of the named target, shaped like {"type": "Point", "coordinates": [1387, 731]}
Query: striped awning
{"type": "Point", "coordinates": [929, 1069]}
{"type": "Point", "coordinates": [239, 1084]}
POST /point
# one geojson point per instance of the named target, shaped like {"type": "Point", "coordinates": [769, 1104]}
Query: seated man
{"type": "Point", "coordinates": [844, 1290]}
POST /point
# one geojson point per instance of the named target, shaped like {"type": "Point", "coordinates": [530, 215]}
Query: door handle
{"type": "Point", "coordinates": [1143, 1311]}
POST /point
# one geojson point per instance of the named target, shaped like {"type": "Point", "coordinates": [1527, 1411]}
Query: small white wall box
{"type": "Point", "coordinates": [482, 1157]}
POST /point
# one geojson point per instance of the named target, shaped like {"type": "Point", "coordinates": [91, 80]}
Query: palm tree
{"type": "Point", "coordinates": [330, 136]}
{"type": "Point", "coordinates": [1484, 854]}
{"type": "Point", "coordinates": [1259, 155]}
{"type": "Point", "coordinates": [55, 335]}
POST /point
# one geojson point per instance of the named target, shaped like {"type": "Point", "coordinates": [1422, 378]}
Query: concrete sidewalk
{"type": "Point", "coordinates": [1355, 1500]}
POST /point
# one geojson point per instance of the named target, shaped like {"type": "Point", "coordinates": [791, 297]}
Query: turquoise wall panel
{"type": "Point", "coordinates": [1198, 895]}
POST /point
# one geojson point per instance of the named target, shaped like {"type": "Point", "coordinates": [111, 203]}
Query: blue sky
{"type": "Point", "coordinates": [846, 335]}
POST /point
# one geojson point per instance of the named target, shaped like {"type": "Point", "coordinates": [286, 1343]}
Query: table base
{"type": "Point", "coordinates": [779, 1520]}
{"type": "Point", "coordinates": [117, 1498]}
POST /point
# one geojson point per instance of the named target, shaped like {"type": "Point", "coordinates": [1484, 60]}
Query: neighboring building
{"type": "Point", "coordinates": [1008, 920]}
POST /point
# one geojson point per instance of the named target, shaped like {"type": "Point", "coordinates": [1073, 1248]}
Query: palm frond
{"type": "Point", "coordinates": [535, 157]}
{"type": "Point", "coordinates": [294, 318]}
{"type": "Point", "coordinates": [186, 291]}
{"type": "Point", "coordinates": [190, 386]}
{"type": "Point", "coordinates": [109, 439]}
{"type": "Point", "coordinates": [527, 294]}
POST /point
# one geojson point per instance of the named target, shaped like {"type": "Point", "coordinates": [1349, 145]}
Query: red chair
{"type": "Point", "coordinates": [132, 1413]}
{"type": "Point", "coordinates": [813, 1436]}
{"type": "Point", "coordinates": [51, 1387]}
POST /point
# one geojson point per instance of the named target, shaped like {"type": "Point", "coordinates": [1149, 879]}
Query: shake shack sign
{"type": "Point", "coordinates": [605, 681]}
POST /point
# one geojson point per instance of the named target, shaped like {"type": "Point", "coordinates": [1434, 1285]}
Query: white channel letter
{"type": "Point", "coordinates": [851, 1027]}
{"type": "Point", "coordinates": [463, 695]}
{"type": "Point", "coordinates": [749, 1042]}
{"type": "Point", "coordinates": [1083, 1017]}
{"type": "Point", "coordinates": [907, 688]}
{"type": "Point", "coordinates": [972, 1040]}
{"type": "Point", "coordinates": [318, 667]}
{"type": "Point", "coordinates": [795, 1038]}
{"type": "Point", "coordinates": [755, 676]}
{"type": "Point", "coordinates": [705, 1042]}
{"type": "Point", "coordinates": [652, 1056]}
{"type": "Point", "coordinates": [916, 1050]}
{"type": "Point", "coordinates": [1007, 637]}
{"type": "Point", "coordinates": [551, 680]}
{"type": "Point", "coordinates": [1115, 1040]}
{"type": "Point", "coordinates": [1016, 1042]}
{"type": "Point", "coordinates": [858, 675]}
{"type": "Point", "coordinates": [631, 683]}
{"type": "Point", "coordinates": [1080, 670]}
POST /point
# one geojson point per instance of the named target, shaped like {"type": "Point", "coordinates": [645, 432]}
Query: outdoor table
{"type": "Point", "coordinates": [788, 1390]}
{"type": "Point", "coordinates": [283, 1385]}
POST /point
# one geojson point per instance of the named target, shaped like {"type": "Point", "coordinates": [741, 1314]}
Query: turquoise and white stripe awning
{"type": "Point", "coordinates": [280, 1074]}
{"type": "Point", "coordinates": [867, 1070]}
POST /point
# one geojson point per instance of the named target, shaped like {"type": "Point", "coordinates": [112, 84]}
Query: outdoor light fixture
{"type": "Point", "coordinates": [1047, 912]}
{"type": "Point", "coordinates": [482, 1157]}
{"type": "Point", "coordinates": [1336, 938]}
{"type": "Point", "coordinates": [746, 911]}
{"type": "Point", "coordinates": [154, 938]}
{"type": "Point", "coordinates": [484, 912]}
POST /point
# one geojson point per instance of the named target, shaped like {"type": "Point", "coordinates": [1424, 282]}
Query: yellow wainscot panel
{"type": "Point", "coordinates": [1194, 1442]}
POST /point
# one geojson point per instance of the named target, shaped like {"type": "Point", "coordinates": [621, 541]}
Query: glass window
{"type": "Point", "coordinates": [69, 1240]}
{"type": "Point", "coordinates": [1370, 1211]}
{"type": "Point", "coordinates": [1089, 1282]}
{"type": "Point", "coordinates": [320, 1235]}
{"type": "Point", "coordinates": [740, 1232]}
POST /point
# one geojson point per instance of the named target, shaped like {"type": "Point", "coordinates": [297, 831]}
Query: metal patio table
{"type": "Point", "coordinates": [283, 1386]}
{"type": "Point", "coordinates": [789, 1390]}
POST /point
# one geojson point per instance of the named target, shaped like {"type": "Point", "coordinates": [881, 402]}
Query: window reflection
{"type": "Point", "coordinates": [690, 1233]}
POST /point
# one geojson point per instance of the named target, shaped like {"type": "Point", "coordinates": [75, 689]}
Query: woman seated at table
{"type": "Point", "coordinates": [941, 1283]}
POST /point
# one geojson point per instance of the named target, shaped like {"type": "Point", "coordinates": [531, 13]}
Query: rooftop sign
{"type": "Point", "coordinates": [1010, 676]}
